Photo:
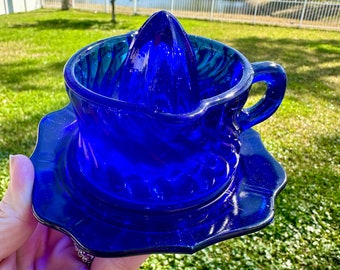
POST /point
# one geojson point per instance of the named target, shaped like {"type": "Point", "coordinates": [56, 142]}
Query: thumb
{"type": "Point", "coordinates": [16, 220]}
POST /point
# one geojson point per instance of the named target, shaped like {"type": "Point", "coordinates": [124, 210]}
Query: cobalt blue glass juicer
{"type": "Point", "coordinates": [155, 152]}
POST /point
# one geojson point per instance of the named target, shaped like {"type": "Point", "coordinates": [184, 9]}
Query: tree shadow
{"type": "Point", "coordinates": [22, 136]}
{"type": "Point", "coordinates": [309, 64]}
{"type": "Point", "coordinates": [23, 75]}
{"type": "Point", "coordinates": [19, 133]}
{"type": "Point", "coordinates": [76, 24]}
{"type": "Point", "coordinates": [331, 144]}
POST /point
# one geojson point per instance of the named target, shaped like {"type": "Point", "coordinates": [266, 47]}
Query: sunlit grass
{"type": "Point", "coordinates": [303, 135]}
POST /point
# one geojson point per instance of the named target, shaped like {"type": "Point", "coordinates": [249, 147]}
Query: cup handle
{"type": "Point", "coordinates": [275, 78]}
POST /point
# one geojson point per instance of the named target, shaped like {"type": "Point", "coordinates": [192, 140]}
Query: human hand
{"type": "Point", "coordinates": [26, 244]}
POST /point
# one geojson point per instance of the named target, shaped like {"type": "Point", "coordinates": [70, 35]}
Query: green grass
{"type": "Point", "coordinates": [303, 135]}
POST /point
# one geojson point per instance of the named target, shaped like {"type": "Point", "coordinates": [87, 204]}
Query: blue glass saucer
{"type": "Point", "coordinates": [246, 205]}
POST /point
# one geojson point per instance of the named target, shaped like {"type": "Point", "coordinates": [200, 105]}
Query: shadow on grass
{"type": "Point", "coordinates": [23, 75]}
{"type": "Point", "coordinates": [19, 132]}
{"type": "Point", "coordinates": [311, 66]}
{"type": "Point", "coordinates": [19, 135]}
{"type": "Point", "coordinates": [77, 24]}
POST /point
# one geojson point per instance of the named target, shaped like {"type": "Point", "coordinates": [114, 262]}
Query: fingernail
{"type": "Point", "coordinates": [11, 162]}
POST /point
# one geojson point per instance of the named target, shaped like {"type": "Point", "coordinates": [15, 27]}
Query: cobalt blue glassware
{"type": "Point", "coordinates": [155, 152]}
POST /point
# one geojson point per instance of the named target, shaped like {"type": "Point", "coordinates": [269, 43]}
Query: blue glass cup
{"type": "Point", "coordinates": [129, 156]}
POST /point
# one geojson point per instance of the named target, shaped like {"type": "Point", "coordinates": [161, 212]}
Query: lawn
{"type": "Point", "coordinates": [303, 135]}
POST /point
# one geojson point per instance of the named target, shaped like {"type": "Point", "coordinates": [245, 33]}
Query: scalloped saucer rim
{"type": "Point", "coordinates": [251, 206]}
